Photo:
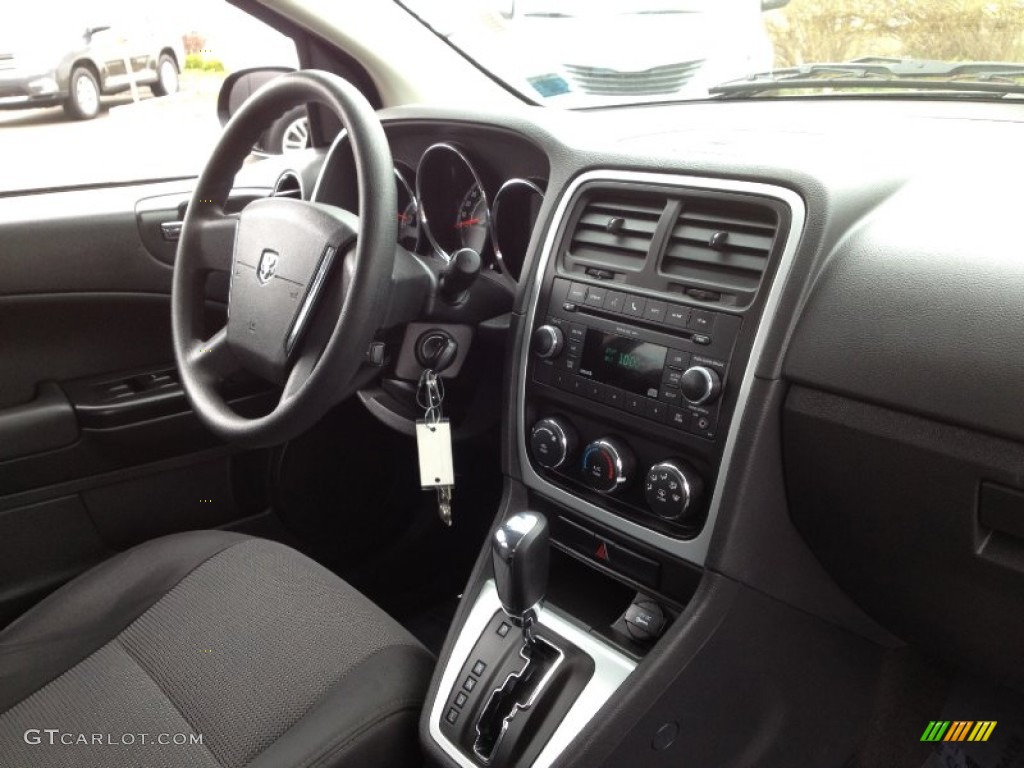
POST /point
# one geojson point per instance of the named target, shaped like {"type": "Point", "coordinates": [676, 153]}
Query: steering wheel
{"type": "Point", "coordinates": [310, 282]}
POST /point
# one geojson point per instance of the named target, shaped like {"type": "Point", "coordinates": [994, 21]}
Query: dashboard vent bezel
{"type": "Point", "coordinates": [720, 245]}
{"type": "Point", "coordinates": [673, 261]}
{"type": "Point", "coordinates": [613, 230]}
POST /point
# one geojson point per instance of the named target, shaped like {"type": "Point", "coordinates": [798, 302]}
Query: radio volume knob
{"type": "Point", "coordinates": [553, 442]}
{"type": "Point", "coordinates": [608, 465]}
{"type": "Point", "coordinates": [701, 385]}
{"type": "Point", "coordinates": [673, 489]}
{"type": "Point", "coordinates": [547, 341]}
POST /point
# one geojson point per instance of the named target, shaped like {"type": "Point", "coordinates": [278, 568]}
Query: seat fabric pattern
{"type": "Point", "coordinates": [237, 652]}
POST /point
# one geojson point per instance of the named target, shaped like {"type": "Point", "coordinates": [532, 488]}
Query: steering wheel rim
{"type": "Point", "coordinates": [323, 367]}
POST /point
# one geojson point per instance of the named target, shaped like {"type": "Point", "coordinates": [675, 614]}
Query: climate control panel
{"type": "Point", "coordinates": [667, 490]}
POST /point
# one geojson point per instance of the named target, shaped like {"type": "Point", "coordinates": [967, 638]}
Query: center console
{"type": "Point", "coordinates": [642, 330]}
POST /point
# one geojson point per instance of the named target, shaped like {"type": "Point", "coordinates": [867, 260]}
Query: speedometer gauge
{"type": "Point", "coordinates": [472, 219]}
{"type": "Point", "coordinates": [454, 209]}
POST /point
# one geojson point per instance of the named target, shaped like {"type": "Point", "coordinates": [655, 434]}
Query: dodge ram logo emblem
{"type": "Point", "coordinates": [267, 267]}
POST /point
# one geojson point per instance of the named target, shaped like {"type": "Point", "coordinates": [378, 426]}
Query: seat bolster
{"type": "Point", "coordinates": [89, 611]}
{"type": "Point", "coordinates": [369, 717]}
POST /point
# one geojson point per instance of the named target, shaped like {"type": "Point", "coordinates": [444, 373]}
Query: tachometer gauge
{"type": "Point", "coordinates": [472, 220]}
{"type": "Point", "coordinates": [408, 213]}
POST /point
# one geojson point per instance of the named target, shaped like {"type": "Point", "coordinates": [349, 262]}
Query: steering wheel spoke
{"type": "Point", "coordinates": [215, 241]}
{"type": "Point", "coordinates": [213, 359]}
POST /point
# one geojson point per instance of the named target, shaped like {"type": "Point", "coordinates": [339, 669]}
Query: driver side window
{"type": "Point", "coordinates": [126, 90]}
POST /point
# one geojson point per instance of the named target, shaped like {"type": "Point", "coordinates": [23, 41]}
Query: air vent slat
{"type": "Point", "coordinates": [731, 260]}
{"type": "Point", "coordinates": [614, 230]}
{"type": "Point", "coordinates": [722, 245]}
{"type": "Point", "coordinates": [736, 240]}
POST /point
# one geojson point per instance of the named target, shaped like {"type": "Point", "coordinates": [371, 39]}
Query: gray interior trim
{"type": "Point", "coordinates": [611, 668]}
{"type": "Point", "coordinates": [694, 550]}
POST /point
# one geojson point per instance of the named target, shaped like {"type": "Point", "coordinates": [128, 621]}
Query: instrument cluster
{"type": "Point", "coordinates": [450, 201]}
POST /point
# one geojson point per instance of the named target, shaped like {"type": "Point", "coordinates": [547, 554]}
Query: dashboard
{"type": "Point", "coordinates": [726, 346]}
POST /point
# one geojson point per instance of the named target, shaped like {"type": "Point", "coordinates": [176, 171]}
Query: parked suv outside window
{"type": "Point", "coordinates": [49, 57]}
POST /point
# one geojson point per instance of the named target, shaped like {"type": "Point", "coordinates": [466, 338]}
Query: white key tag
{"type": "Point", "coordinates": [434, 444]}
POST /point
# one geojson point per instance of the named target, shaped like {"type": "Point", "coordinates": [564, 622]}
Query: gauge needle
{"type": "Point", "coordinates": [466, 223]}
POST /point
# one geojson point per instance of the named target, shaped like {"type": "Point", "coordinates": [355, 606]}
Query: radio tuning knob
{"type": "Point", "coordinates": [700, 385]}
{"type": "Point", "coordinates": [608, 465]}
{"type": "Point", "coordinates": [673, 489]}
{"type": "Point", "coordinates": [547, 341]}
{"type": "Point", "coordinates": [553, 442]}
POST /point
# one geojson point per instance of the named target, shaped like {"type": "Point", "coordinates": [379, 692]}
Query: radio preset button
{"type": "Point", "coordinates": [614, 397]}
{"type": "Point", "coordinates": [634, 306]}
{"type": "Point", "coordinates": [591, 389]}
{"type": "Point", "coordinates": [562, 379]}
{"type": "Point", "coordinates": [635, 403]}
{"type": "Point", "coordinates": [677, 316]}
{"type": "Point", "coordinates": [577, 293]}
{"type": "Point", "coordinates": [655, 311]}
{"type": "Point", "coordinates": [614, 301]}
{"type": "Point", "coordinates": [655, 410]}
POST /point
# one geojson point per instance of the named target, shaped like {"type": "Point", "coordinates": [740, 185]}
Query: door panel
{"type": "Point", "coordinates": [99, 449]}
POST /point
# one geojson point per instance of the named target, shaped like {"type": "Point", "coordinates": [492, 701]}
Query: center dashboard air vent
{"type": "Point", "coordinates": [613, 231]}
{"type": "Point", "coordinates": [721, 246]}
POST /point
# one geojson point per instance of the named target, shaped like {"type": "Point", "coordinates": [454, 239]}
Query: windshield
{"type": "Point", "coordinates": [588, 53]}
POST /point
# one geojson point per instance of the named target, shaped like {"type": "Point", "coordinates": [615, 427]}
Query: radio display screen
{"type": "Point", "coordinates": [629, 364]}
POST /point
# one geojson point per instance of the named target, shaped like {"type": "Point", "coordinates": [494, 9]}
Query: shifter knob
{"type": "Point", "coordinates": [520, 551]}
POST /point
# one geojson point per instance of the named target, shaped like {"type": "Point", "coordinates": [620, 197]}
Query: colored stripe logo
{"type": "Point", "coordinates": [958, 730]}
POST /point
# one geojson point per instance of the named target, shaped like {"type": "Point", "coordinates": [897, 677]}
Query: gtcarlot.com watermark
{"type": "Point", "coordinates": [55, 736]}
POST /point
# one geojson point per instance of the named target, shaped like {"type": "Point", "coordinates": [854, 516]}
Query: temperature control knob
{"type": "Point", "coordinates": [547, 341]}
{"type": "Point", "coordinates": [553, 442]}
{"type": "Point", "coordinates": [673, 489]}
{"type": "Point", "coordinates": [608, 465]}
{"type": "Point", "coordinates": [701, 385]}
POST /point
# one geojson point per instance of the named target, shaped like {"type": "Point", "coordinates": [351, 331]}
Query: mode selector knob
{"type": "Point", "coordinates": [673, 489]}
{"type": "Point", "coordinates": [700, 385]}
{"type": "Point", "coordinates": [553, 442]}
{"type": "Point", "coordinates": [547, 341]}
{"type": "Point", "coordinates": [608, 465]}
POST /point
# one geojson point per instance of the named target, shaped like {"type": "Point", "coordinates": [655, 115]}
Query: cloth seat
{"type": "Point", "coordinates": [214, 650]}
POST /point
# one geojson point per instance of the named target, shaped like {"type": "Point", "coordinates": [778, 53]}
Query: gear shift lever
{"type": "Point", "coordinates": [520, 552]}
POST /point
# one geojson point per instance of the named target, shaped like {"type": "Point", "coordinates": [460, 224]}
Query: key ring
{"type": "Point", "coordinates": [429, 396]}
